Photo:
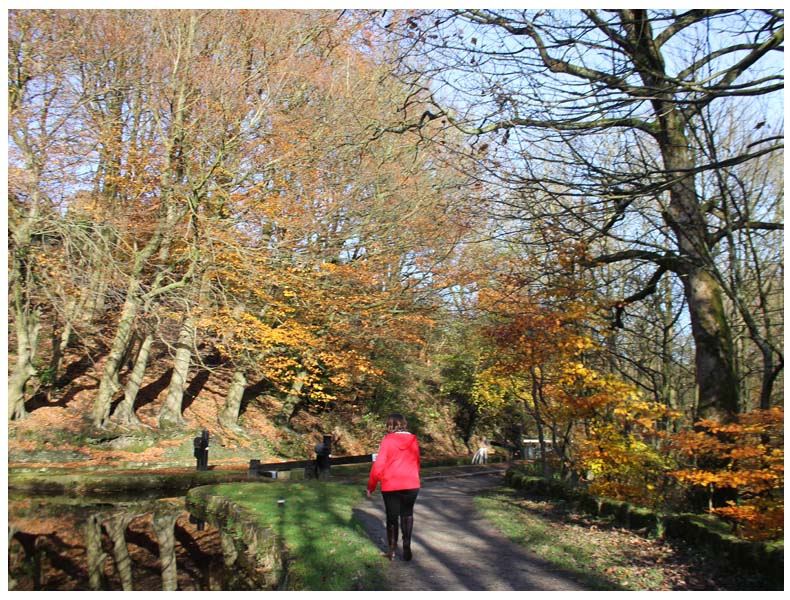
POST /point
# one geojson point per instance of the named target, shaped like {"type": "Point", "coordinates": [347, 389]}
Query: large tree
{"type": "Point", "coordinates": [600, 123]}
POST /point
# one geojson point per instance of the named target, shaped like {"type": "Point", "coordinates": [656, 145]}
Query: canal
{"type": "Point", "coordinates": [151, 543]}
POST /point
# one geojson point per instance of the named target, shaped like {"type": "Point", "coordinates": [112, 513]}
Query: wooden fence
{"type": "Point", "coordinates": [318, 467]}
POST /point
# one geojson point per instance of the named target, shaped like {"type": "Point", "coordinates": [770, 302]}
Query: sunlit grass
{"type": "Point", "coordinates": [327, 548]}
{"type": "Point", "coordinates": [600, 563]}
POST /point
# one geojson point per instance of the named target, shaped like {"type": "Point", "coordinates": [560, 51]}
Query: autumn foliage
{"type": "Point", "coordinates": [540, 363]}
{"type": "Point", "coordinates": [750, 452]}
{"type": "Point", "coordinates": [243, 193]}
{"type": "Point", "coordinates": [227, 202]}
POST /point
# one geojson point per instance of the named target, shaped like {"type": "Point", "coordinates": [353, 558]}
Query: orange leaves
{"type": "Point", "coordinates": [757, 481]}
{"type": "Point", "coordinates": [242, 148]}
{"type": "Point", "coordinates": [748, 455]}
{"type": "Point", "coordinates": [757, 522]}
{"type": "Point", "coordinates": [758, 422]}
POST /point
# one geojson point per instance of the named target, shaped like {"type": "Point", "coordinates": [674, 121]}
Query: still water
{"type": "Point", "coordinates": [150, 544]}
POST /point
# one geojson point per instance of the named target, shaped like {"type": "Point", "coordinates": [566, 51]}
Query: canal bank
{"type": "Point", "coordinates": [108, 480]}
{"type": "Point", "coordinates": [113, 529]}
{"type": "Point", "coordinates": [112, 481]}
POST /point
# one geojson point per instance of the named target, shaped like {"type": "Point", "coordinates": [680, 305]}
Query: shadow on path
{"type": "Point", "coordinates": [455, 548]}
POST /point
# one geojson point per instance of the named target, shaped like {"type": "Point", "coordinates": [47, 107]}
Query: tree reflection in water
{"type": "Point", "coordinates": [56, 544]}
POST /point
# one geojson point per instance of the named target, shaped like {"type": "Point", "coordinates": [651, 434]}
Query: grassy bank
{"type": "Point", "coordinates": [326, 548]}
{"type": "Point", "coordinates": [604, 555]}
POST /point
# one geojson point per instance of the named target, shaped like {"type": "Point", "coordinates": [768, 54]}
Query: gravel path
{"type": "Point", "coordinates": [454, 548]}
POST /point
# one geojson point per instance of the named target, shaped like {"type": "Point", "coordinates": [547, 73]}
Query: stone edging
{"type": "Point", "coordinates": [264, 544]}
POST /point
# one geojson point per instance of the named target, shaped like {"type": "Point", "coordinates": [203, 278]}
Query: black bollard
{"type": "Point", "coordinates": [199, 523]}
{"type": "Point", "coordinates": [323, 452]}
{"type": "Point", "coordinates": [201, 451]}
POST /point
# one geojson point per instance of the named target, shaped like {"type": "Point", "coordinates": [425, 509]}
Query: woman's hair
{"type": "Point", "coordinates": [396, 422]}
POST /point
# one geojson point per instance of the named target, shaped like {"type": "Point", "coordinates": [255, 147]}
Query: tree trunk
{"type": "Point", "coordinates": [94, 303]}
{"type": "Point", "coordinates": [230, 413]}
{"type": "Point", "coordinates": [124, 412]}
{"type": "Point", "coordinates": [170, 413]}
{"type": "Point", "coordinates": [60, 341]}
{"type": "Point", "coordinates": [716, 374]}
{"type": "Point", "coordinates": [534, 410]}
{"type": "Point", "coordinates": [109, 384]}
{"type": "Point", "coordinates": [289, 408]}
{"type": "Point", "coordinates": [27, 327]}
{"type": "Point", "coordinates": [770, 372]}
{"type": "Point", "coordinates": [26, 318]}
{"type": "Point", "coordinates": [116, 529]}
{"type": "Point", "coordinates": [164, 526]}
{"type": "Point", "coordinates": [95, 555]}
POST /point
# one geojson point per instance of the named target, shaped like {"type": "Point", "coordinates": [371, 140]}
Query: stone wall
{"type": "Point", "coordinates": [261, 543]}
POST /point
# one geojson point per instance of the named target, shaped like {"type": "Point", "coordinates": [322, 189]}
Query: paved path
{"type": "Point", "coordinates": [454, 548]}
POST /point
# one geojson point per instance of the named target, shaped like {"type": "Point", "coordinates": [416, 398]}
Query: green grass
{"type": "Point", "coordinates": [327, 548]}
{"type": "Point", "coordinates": [598, 561]}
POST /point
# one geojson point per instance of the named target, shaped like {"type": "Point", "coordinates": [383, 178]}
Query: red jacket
{"type": "Point", "coordinates": [397, 464]}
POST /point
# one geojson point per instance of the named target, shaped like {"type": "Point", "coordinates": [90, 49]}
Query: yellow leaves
{"type": "Point", "coordinates": [621, 465]}
{"type": "Point", "coordinates": [488, 394]}
{"type": "Point", "coordinates": [245, 332]}
{"type": "Point", "coordinates": [643, 414]}
{"type": "Point", "coordinates": [620, 449]}
{"type": "Point", "coordinates": [539, 347]}
{"type": "Point", "coordinates": [574, 372]}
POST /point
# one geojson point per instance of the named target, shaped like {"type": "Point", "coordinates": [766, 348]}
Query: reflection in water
{"type": "Point", "coordinates": [56, 544]}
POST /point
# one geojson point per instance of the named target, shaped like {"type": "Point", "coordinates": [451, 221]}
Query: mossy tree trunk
{"type": "Point", "coordinates": [109, 383]}
{"type": "Point", "coordinates": [27, 326]}
{"type": "Point", "coordinates": [229, 416]}
{"type": "Point", "coordinates": [293, 399]}
{"type": "Point", "coordinates": [124, 412]}
{"type": "Point", "coordinates": [24, 313]}
{"type": "Point", "coordinates": [170, 413]}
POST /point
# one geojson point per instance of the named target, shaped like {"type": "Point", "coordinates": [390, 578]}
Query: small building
{"type": "Point", "coordinates": [532, 447]}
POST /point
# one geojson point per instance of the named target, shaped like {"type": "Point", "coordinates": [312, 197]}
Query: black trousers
{"type": "Point", "coordinates": [399, 503]}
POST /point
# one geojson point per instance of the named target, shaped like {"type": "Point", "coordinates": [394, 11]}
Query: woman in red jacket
{"type": "Point", "coordinates": [397, 467]}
